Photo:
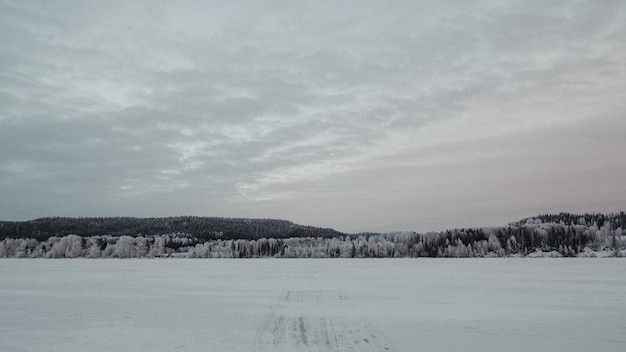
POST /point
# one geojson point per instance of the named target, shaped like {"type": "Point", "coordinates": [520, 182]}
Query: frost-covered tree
{"type": "Point", "coordinates": [70, 246]}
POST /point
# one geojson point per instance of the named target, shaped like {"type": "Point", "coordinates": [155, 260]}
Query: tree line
{"type": "Point", "coordinates": [556, 235]}
{"type": "Point", "coordinates": [203, 228]}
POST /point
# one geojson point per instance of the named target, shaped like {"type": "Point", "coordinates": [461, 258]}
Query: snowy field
{"type": "Point", "coordinates": [511, 304]}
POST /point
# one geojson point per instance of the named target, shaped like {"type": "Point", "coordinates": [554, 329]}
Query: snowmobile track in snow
{"type": "Point", "coordinates": [301, 321]}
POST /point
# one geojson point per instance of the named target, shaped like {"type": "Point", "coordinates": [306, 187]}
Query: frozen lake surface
{"type": "Point", "coordinates": [313, 305]}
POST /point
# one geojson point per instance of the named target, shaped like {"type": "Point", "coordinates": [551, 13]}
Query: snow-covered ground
{"type": "Point", "coordinates": [511, 304]}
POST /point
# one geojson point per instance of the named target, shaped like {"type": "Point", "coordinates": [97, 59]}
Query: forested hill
{"type": "Point", "coordinates": [551, 235]}
{"type": "Point", "coordinates": [202, 228]}
{"type": "Point", "coordinates": [599, 220]}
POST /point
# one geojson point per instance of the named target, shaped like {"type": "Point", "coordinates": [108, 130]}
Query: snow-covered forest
{"type": "Point", "coordinates": [553, 235]}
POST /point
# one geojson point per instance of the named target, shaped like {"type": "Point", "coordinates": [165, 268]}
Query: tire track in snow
{"type": "Point", "coordinates": [301, 321]}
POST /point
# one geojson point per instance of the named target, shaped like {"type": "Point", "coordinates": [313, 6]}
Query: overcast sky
{"type": "Point", "coordinates": [356, 115]}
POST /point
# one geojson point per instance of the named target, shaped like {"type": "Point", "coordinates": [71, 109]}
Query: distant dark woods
{"type": "Point", "coordinates": [561, 234]}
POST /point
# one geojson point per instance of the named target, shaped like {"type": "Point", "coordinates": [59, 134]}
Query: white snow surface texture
{"type": "Point", "coordinates": [512, 304]}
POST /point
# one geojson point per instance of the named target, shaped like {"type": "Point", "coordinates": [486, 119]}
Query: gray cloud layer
{"type": "Point", "coordinates": [355, 115]}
